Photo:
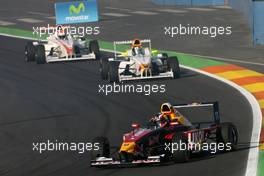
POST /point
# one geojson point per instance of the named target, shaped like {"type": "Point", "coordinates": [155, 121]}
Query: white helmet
{"type": "Point", "coordinates": [60, 32]}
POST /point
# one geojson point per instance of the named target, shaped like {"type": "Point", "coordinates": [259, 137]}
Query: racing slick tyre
{"type": "Point", "coordinates": [40, 54]}
{"type": "Point", "coordinates": [30, 52]}
{"type": "Point", "coordinates": [103, 148]}
{"type": "Point", "coordinates": [154, 68]}
{"type": "Point", "coordinates": [94, 47]}
{"type": "Point", "coordinates": [113, 75]}
{"type": "Point", "coordinates": [181, 154]}
{"type": "Point", "coordinates": [104, 68]}
{"type": "Point", "coordinates": [77, 51]}
{"type": "Point", "coordinates": [173, 64]}
{"type": "Point", "coordinates": [227, 133]}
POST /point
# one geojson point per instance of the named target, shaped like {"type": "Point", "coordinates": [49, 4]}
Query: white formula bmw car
{"type": "Point", "coordinates": [61, 47]}
{"type": "Point", "coordinates": [138, 63]}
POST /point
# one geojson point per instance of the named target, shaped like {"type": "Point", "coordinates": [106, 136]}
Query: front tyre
{"type": "Point", "coordinates": [103, 148]}
{"type": "Point", "coordinates": [104, 68]}
{"type": "Point", "coordinates": [40, 54]}
{"type": "Point", "coordinates": [113, 74]}
{"type": "Point", "coordinates": [94, 47]}
{"type": "Point", "coordinates": [227, 134]}
{"type": "Point", "coordinates": [181, 154]}
{"type": "Point", "coordinates": [173, 65]}
{"type": "Point", "coordinates": [30, 52]}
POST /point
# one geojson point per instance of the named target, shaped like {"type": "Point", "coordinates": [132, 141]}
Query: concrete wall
{"type": "Point", "coordinates": [245, 7]}
{"type": "Point", "coordinates": [258, 20]}
{"type": "Point", "coordinates": [253, 11]}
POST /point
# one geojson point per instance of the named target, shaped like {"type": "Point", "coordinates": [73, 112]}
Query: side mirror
{"type": "Point", "coordinates": [135, 125]}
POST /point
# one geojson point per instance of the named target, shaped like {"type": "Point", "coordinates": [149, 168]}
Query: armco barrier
{"type": "Point", "coordinates": [189, 2]}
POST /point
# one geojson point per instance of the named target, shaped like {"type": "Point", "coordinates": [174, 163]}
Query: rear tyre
{"type": "Point", "coordinates": [94, 47]}
{"type": "Point", "coordinates": [227, 133]}
{"type": "Point", "coordinates": [77, 51]}
{"type": "Point", "coordinates": [40, 54]}
{"type": "Point", "coordinates": [104, 68]}
{"type": "Point", "coordinates": [173, 64]}
{"type": "Point", "coordinates": [30, 52]}
{"type": "Point", "coordinates": [103, 148]}
{"type": "Point", "coordinates": [180, 155]}
{"type": "Point", "coordinates": [154, 68]}
{"type": "Point", "coordinates": [113, 75]}
{"type": "Point", "coordinates": [164, 59]}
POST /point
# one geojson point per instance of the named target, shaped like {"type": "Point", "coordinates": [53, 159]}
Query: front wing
{"type": "Point", "coordinates": [168, 74]}
{"type": "Point", "coordinates": [90, 56]}
{"type": "Point", "coordinates": [102, 161]}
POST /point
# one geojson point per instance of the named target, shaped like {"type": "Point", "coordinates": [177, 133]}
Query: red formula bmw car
{"type": "Point", "coordinates": [169, 136]}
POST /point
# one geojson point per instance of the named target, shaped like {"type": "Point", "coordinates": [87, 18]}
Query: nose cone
{"type": "Point", "coordinates": [128, 147]}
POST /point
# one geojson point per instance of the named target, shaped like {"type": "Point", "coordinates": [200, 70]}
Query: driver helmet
{"type": "Point", "coordinates": [136, 43]}
{"type": "Point", "coordinates": [136, 47]}
{"type": "Point", "coordinates": [168, 110]}
{"type": "Point", "coordinates": [61, 34]}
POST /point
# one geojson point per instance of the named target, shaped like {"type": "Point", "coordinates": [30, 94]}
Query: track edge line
{"type": "Point", "coordinates": [253, 156]}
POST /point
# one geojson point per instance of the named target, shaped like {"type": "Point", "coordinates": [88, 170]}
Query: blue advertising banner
{"type": "Point", "coordinates": [76, 12]}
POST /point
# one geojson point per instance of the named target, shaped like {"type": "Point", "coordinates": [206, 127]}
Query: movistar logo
{"type": "Point", "coordinates": [77, 10]}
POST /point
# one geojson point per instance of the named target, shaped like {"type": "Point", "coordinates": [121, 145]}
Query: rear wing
{"type": "Point", "coordinates": [215, 106]}
{"type": "Point", "coordinates": [129, 42]}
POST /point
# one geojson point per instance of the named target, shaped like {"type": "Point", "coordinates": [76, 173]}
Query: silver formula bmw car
{"type": "Point", "coordinates": [139, 62]}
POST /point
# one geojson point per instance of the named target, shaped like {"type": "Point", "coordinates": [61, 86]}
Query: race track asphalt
{"type": "Point", "coordinates": [61, 102]}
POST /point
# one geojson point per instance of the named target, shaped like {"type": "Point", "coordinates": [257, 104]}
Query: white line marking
{"type": "Point", "coordinates": [6, 23]}
{"type": "Point", "coordinates": [29, 20]}
{"type": "Point", "coordinates": [51, 17]}
{"type": "Point", "coordinates": [38, 13]}
{"type": "Point", "coordinates": [238, 61]}
{"type": "Point", "coordinates": [114, 8]}
{"type": "Point", "coordinates": [200, 9]}
{"type": "Point", "coordinates": [252, 163]}
{"type": "Point", "coordinates": [19, 37]}
{"type": "Point", "coordinates": [144, 13]}
{"type": "Point", "coordinates": [224, 59]}
{"type": "Point", "coordinates": [115, 14]}
{"type": "Point", "coordinates": [222, 7]}
{"type": "Point", "coordinates": [172, 10]}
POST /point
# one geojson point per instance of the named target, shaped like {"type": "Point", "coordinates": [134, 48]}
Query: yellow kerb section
{"type": "Point", "coordinates": [261, 103]}
{"type": "Point", "coordinates": [238, 74]}
{"type": "Point", "coordinates": [256, 87]}
{"type": "Point", "coordinates": [262, 146]}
